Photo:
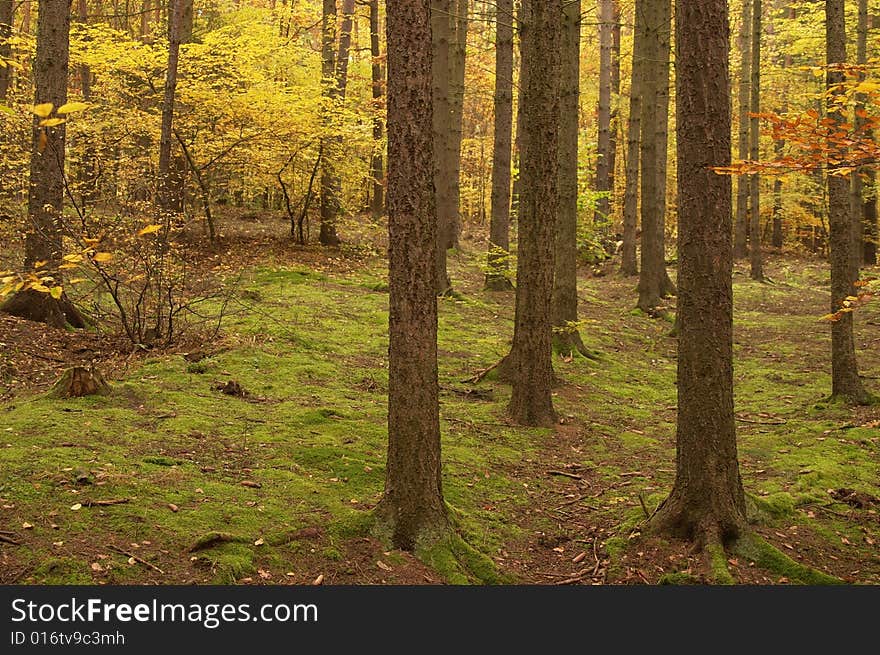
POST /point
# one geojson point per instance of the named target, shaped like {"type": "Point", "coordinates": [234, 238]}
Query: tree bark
{"type": "Point", "coordinates": [6, 13]}
{"type": "Point", "coordinates": [178, 166]}
{"type": "Point", "coordinates": [740, 247]}
{"type": "Point", "coordinates": [707, 503]}
{"type": "Point", "coordinates": [457, 61]}
{"type": "Point", "coordinates": [566, 336]}
{"type": "Point", "coordinates": [845, 381]}
{"type": "Point", "coordinates": [412, 507]}
{"type": "Point", "coordinates": [165, 194]}
{"type": "Point", "coordinates": [654, 282]}
{"type": "Point", "coordinates": [755, 254]}
{"type": "Point", "coordinates": [499, 225]}
{"type": "Point", "coordinates": [604, 159]}
{"type": "Point", "coordinates": [530, 355]}
{"type": "Point", "coordinates": [629, 264]}
{"type": "Point", "coordinates": [43, 241]}
{"type": "Point", "coordinates": [377, 164]}
{"type": "Point", "coordinates": [441, 35]}
{"type": "Point", "coordinates": [865, 178]}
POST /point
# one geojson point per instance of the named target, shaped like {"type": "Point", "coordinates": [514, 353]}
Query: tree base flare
{"type": "Point", "coordinates": [409, 533]}
{"type": "Point", "coordinates": [40, 307]}
{"type": "Point", "coordinates": [80, 381]}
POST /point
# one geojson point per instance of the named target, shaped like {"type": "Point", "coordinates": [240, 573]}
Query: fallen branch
{"type": "Point", "coordinates": [136, 559]}
{"type": "Point", "coordinates": [105, 503]}
{"type": "Point", "coordinates": [573, 476]}
{"type": "Point", "coordinates": [213, 538]}
{"type": "Point", "coordinates": [9, 540]}
{"type": "Point", "coordinates": [746, 420]}
{"type": "Point", "coordinates": [482, 373]}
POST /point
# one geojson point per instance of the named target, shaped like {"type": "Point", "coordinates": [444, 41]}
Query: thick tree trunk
{"type": "Point", "coordinates": [499, 225]}
{"type": "Point", "coordinates": [530, 355]}
{"type": "Point", "coordinates": [604, 159]}
{"type": "Point", "coordinates": [755, 254]}
{"type": "Point", "coordinates": [43, 241]}
{"type": "Point", "coordinates": [740, 246]}
{"type": "Point", "coordinates": [654, 283]}
{"type": "Point", "coordinates": [707, 503]}
{"type": "Point", "coordinates": [377, 165]}
{"type": "Point", "coordinates": [80, 381]}
{"type": "Point", "coordinates": [412, 507]}
{"type": "Point", "coordinates": [566, 337]}
{"type": "Point", "coordinates": [845, 381]}
{"type": "Point", "coordinates": [629, 264]}
{"type": "Point", "coordinates": [441, 35]}
{"type": "Point", "coordinates": [6, 13]}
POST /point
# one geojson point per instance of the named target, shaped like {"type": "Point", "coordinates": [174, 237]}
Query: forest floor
{"type": "Point", "coordinates": [180, 476]}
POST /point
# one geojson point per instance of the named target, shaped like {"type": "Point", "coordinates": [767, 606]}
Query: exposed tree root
{"type": "Point", "coordinates": [569, 342]}
{"type": "Point", "coordinates": [43, 308]}
{"type": "Point", "coordinates": [214, 538]}
{"type": "Point", "coordinates": [752, 547]}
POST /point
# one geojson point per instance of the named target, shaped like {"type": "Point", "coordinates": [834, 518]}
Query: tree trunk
{"type": "Point", "coordinates": [845, 381]}
{"type": "Point", "coordinates": [615, 100]}
{"type": "Point", "coordinates": [604, 160]}
{"type": "Point", "coordinates": [707, 503]}
{"type": "Point", "coordinates": [6, 13]}
{"type": "Point", "coordinates": [457, 61]}
{"type": "Point", "coordinates": [566, 337]}
{"type": "Point", "coordinates": [441, 36]}
{"type": "Point", "coordinates": [412, 507]}
{"type": "Point", "coordinates": [865, 178]}
{"type": "Point", "coordinates": [335, 69]}
{"type": "Point", "coordinates": [740, 247]}
{"type": "Point", "coordinates": [165, 194]}
{"type": "Point", "coordinates": [629, 263]}
{"type": "Point", "coordinates": [80, 381]}
{"type": "Point", "coordinates": [178, 165]}
{"type": "Point", "coordinates": [654, 283]}
{"type": "Point", "coordinates": [755, 255]}
{"type": "Point", "coordinates": [43, 241]}
{"type": "Point", "coordinates": [530, 355]}
{"type": "Point", "coordinates": [499, 227]}
{"type": "Point", "coordinates": [377, 165]}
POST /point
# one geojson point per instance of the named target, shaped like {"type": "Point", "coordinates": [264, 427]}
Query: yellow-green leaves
{"type": "Point", "coordinates": [150, 229]}
{"type": "Point", "coordinates": [43, 110]}
{"type": "Point", "coordinates": [72, 107]}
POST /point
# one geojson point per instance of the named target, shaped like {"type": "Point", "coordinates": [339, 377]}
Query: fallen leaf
{"type": "Point", "coordinates": [97, 567]}
{"type": "Point", "coordinates": [27, 526]}
{"type": "Point", "coordinates": [173, 507]}
{"type": "Point", "coordinates": [259, 542]}
{"type": "Point", "coordinates": [251, 483]}
{"type": "Point", "coordinates": [382, 565]}
{"type": "Point", "coordinates": [319, 580]}
{"type": "Point", "coordinates": [76, 507]}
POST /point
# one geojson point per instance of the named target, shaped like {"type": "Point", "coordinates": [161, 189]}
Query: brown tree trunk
{"type": "Point", "coordinates": [6, 13]}
{"type": "Point", "coordinates": [755, 254]}
{"type": "Point", "coordinates": [530, 355]}
{"type": "Point", "coordinates": [629, 264]}
{"type": "Point", "coordinates": [377, 165]}
{"type": "Point", "coordinates": [43, 241]}
{"type": "Point", "coordinates": [441, 35]}
{"type": "Point", "coordinates": [457, 61]}
{"type": "Point", "coordinates": [615, 99]}
{"type": "Point", "coordinates": [412, 508]}
{"type": "Point", "coordinates": [88, 170]}
{"type": "Point", "coordinates": [654, 283]}
{"type": "Point", "coordinates": [80, 381]}
{"type": "Point", "coordinates": [707, 503]}
{"type": "Point", "coordinates": [604, 160]}
{"type": "Point", "coordinates": [165, 193]}
{"type": "Point", "coordinates": [864, 180]}
{"type": "Point", "coordinates": [499, 225]}
{"type": "Point", "coordinates": [740, 247]}
{"type": "Point", "coordinates": [845, 381]}
{"type": "Point", "coordinates": [566, 336]}
{"type": "Point", "coordinates": [178, 166]}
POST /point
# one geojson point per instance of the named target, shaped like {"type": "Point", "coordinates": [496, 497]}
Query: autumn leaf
{"type": "Point", "coordinates": [52, 122]}
{"type": "Point", "coordinates": [71, 107]}
{"type": "Point", "coordinates": [102, 257]}
{"type": "Point", "coordinates": [150, 229]}
{"type": "Point", "coordinates": [56, 292]}
{"type": "Point", "coordinates": [43, 110]}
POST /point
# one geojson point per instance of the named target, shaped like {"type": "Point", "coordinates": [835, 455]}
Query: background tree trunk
{"type": "Point", "coordinates": [165, 194]}
{"type": "Point", "coordinates": [604, 158]}
{"type": "Point", "coordinates": [441, 36]}
{"type": "Point", "coordinates": [6, 13]}
{"type": "Point", "coordinates": [178, 166]}
{"type": "Point", "coordinates": [566, 337]}
{"type": "Point", "coordinates": [755, 237]}
{"type": "Point", "coordinates": [845, 381]}
{"type": "Point", "coordinates": [499, 226]}
{"type": "Point", "coordinates": [412, 506]}
{"type": "Point", "coordinates": [457, 60]}
{"type": "Point", "coordinates": [707, 502]}
{"type": "Point", "coordinates": [629, 263]}
{"type": "Point", "coordinates": [740, 247]}
{"type": "Point", "coordinates": [377, 165]}
{"type": "Point", "coordinates": [531, 360]}
{"type": "Point", "coordinates": [865, 179]}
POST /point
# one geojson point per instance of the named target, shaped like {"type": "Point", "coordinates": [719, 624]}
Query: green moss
{"type": "Point", "coordinates": [62, 571]}
{"type": "Point", "coordinates": [757, 550]}
{"type": "Point", "coordinates": [717, 560]}
{"type": "Point", "coordinates": [460, 563]}
{"type": "Point", "coordinates": [679, 578]}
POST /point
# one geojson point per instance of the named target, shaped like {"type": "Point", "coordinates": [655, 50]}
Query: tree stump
{"type": "Point", "coordinates": [80, 381]}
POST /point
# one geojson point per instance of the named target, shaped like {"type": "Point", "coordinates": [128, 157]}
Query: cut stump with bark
{"type": "Point", "coordinates": [80, 381]}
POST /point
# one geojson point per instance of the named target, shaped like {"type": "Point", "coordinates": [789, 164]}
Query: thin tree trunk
{"type": "Point", "coordinates": [740, 247]}
{"type": "Point", "coordinates": [499, 228]}
{"type": "Point", "coordinates": [377, 165]}
{"type": "Point", "coordinates": [164, 192]}
{"type": "Point", "coordinates": [566, 336]}
{"type": "Point", "coordinates": [6, 14]}
{"type": "Point", "coordinates": [615, 100]}
{"type": "Point", "coordinates": [457, 61]}
{"type": "Point", "coordinates": [755, 255]}
{"type": "Point", "coordinates": [178, 166]}
{"type": "Point", "coordinates": [707, 502]}
{"type": "Point", "coordinates": [530, 355]}
{"type": "Point", "coordinates": [629, 264]}
{"type": "Point", "coordinates": [441, 35]}
{"type": "Point", "coordinates": [654, 283]}
{"type": "Point", "coordinates": [604, 160]}
{"type": "Point", "coordinates": [864, 179]}
{"type": "Point", "coordinates": [412, 508]}
{"type": "Point", "coordinates": [845, 381]}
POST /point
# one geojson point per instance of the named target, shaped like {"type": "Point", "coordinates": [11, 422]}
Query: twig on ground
{"type": "Point", "coordinates": [573, 476]}
{"type": "Point", "coordinates": [105, 503]}
{"type": "Point", "coordinates": [136, 559]}
{"type": "Point", "coordinates": [482, 373]}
